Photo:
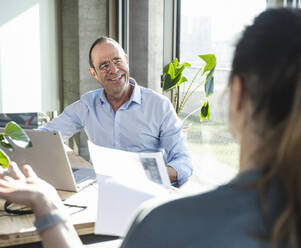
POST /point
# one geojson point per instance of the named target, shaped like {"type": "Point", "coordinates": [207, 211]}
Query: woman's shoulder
{"type": "Point", "coordinates": [226, 210]}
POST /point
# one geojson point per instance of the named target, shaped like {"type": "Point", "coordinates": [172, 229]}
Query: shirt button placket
{"type": "Point", "coordinates": [117, 130]}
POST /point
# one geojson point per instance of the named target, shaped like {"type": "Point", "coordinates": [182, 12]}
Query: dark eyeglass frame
{"type": "Point", "coordinates": [104, 66]}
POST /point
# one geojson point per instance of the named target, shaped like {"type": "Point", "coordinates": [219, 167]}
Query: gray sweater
{"type": "Point", "coordinates": [229, 216]}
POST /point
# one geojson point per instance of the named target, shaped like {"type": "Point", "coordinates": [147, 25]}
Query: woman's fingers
{"type": "Point", "coordinates": [4, 172]}
{"type": "Point", "coordinates": [29, 173]}
{"type": "Point", "coordinates": [15, 171]}
{"type": "Point", "coordinates": [3, 183]}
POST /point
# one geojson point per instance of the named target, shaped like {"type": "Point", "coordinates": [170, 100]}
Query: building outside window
{"type": "Point", "coordinates": [213, 27]}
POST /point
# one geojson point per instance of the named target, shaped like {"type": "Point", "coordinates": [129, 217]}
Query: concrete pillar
{"type": "Point", "coordinates": [275, 3]}
{"type": "Point", "coordinates": [155, 44]}
{"type": "Point", "coordinates": [81, 23]}
{"type": "Point", "coordinates": [70, 52]}
{"type": "Point", "coordinates": [92, 16]}
{"type": "Point", "coordinates": [138, 40]}
{"type": "Point", "coordinates": [146, 42]}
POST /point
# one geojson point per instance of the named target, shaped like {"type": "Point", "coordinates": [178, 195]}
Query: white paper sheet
{"type": "Point", "coordinates": [125, 181]}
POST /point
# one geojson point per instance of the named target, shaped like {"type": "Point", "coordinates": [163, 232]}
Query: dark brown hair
{"type": "Point", "coordinates": [268, 60]}
{"type": "Point", "coordinates": [98, 41]}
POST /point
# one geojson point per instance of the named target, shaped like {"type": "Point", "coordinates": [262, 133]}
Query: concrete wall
{"type": "Point", "coordinates": [81, 23]}
{"type": "Point", "coordinates": [70, 52]}
{"type": "Point", "coordinates": [92, 24]}
{"type": "Point", "coordinates": [138, 40]}
{"type": "Point", "coordinates": [146, 42]}
{"type": "Point", "coordinates": [155, 44]}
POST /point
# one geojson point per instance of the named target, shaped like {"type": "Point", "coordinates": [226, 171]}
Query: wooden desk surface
{"type": "Point", "coordinates": [20, 230]}
{"type": "Point", "coordinates": [16, 230]}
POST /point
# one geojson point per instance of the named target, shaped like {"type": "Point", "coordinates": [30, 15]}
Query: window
{"type": "Point", "coordinates": [28, 56]}
{"type": "Point", "coordinates": [292, 3]}
{"type": "Point", "coordinates": [213, 27]}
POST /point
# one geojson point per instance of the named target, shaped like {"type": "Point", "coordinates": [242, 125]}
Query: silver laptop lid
{"type": "Point", "coordinates": [47, 157]}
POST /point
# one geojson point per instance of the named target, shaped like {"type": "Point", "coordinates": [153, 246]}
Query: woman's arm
{"type": "Point", "coordinates": [29, 190]}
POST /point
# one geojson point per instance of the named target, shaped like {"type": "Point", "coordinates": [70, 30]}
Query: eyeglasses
{"type": "Point", "coordinates": [104, 66]}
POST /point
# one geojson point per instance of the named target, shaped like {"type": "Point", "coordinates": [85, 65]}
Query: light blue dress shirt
{"type": "Point", "coordinates": [145, 123]}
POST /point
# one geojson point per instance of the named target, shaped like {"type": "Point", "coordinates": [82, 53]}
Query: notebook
{"type": "Point", "coordinates": [49, 159]}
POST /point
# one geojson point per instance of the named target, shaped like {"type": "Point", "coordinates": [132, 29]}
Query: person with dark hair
{"type": "Point", "coordinates": [125, 116]}
{"type": "Point", "coordinates": [261, 206]}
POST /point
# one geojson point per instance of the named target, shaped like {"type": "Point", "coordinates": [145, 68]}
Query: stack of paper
{"type": "Point", "coordinates": [125, 181]}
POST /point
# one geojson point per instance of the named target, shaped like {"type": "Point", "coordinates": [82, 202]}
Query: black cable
{"type": "Point", "coordinates": [23, 212]}
{"type": "Point", "coordinates": [75, 206]}
{"type": "Point", "coordinates": [15, 211]}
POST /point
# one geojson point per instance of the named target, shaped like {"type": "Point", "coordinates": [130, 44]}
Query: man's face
{"type": "Point", "coordinates": [110, 68]}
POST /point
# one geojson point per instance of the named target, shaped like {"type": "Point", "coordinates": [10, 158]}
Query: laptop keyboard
{"type": "Point", "coordinates": [83, 174]}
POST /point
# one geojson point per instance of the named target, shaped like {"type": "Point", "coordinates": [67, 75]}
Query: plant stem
{"type": "Point", "coordinates": [178, 97]}
{"type": "Point", "coordinates": [191, 113]}
{"type": "Point", "coordinates": [198, 86]}
{"type": "Point", "coordinates": [184, 90]}
{"type": "Point", "coordinates": [173, 98]}
{"type": "Point", "coordinates": [185, 98]}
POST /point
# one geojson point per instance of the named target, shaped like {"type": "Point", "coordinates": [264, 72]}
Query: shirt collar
{"type": "Point", "coordinates": [136, 94]}
{"type": "Point", "coordinates": [102, 96]}
{"type": "Point", "coordinates": [135, 97]}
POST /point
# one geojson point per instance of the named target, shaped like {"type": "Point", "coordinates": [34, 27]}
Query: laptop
{"type": "Point", "coordinates": [49, 160]}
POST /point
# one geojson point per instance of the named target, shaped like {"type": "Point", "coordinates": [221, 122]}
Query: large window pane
{"type": "Point", "coordinates": [28, 56]}
{"type": "Point", "coordinates": [213, 27]}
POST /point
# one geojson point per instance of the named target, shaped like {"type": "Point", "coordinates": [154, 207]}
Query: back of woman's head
{"type": "Point", "coordinates": [268, 62]}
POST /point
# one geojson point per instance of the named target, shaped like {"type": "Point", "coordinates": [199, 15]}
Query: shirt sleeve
{"type": "Point", "coordinates": [173, 142]}
{"type": "Point", "coordinates": [70, 121]}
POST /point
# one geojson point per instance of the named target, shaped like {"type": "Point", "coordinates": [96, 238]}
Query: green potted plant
{"type": "Point", "coordinates": [16, 134]}
{"type": "Point", "coordinates": [172, 80]}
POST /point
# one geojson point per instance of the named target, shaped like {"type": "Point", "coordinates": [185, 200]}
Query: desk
{"type": "Point", "coordinates": [89, 241]}
{"type": "Point", "coordinates": [16, 230]}
{"type": "Point", "coordinates": [20, 230]}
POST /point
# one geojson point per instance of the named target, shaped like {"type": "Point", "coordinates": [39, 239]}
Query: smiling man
{"type": "Point", "coordinates": [124, 115]}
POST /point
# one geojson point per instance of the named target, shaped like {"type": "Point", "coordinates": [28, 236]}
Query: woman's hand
{"type": "Point", "coordinates": [28, 189]}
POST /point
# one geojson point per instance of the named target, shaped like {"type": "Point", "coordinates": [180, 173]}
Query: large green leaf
{"type": "Point", "coordinates": [171, 70]}
{"type": "Point", "coordinates": [205, 111]}
{"type": "Point", "coordinates": [4, 160]}
{"type": "Point", "coordinates": [167, 83]}
{"type": "Point", "coordinates": [209, 85]}
{"type": "Point", "coordinates": [173, 75]}
{"type": "Point", "coordinates": [210, 61]}
{"type": "Point", "coordinates": [17, 135]}
{"type": "Point", "coordinates": [183, 79]}
{"type": "Point", "coordinates": [184, 65]}
{"type": "Point", "coordinates": [6, 145]}
{"type": "Point", "coordinates": [167, 78]}
{"type": "Point", "coordinates": [176, 62]}
{"type": "Point", "coordinates": [4, 142]}
{"type": "Point", "coordinates": [165, 69]}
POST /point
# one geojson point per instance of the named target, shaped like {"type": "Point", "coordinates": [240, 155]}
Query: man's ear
{"type": "Point", "coordinates": [237, 93]}
{"type": "Point", "coordinates": [92, 72]}
{"type": "Point", "coordinates": [126, 58]}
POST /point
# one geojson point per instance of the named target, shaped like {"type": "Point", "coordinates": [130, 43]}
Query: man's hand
{"type": "Point", "coordinates": [172, 173]}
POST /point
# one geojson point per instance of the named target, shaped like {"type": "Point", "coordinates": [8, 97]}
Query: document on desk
{"type": "Point", "coordinates": [125, 181]}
